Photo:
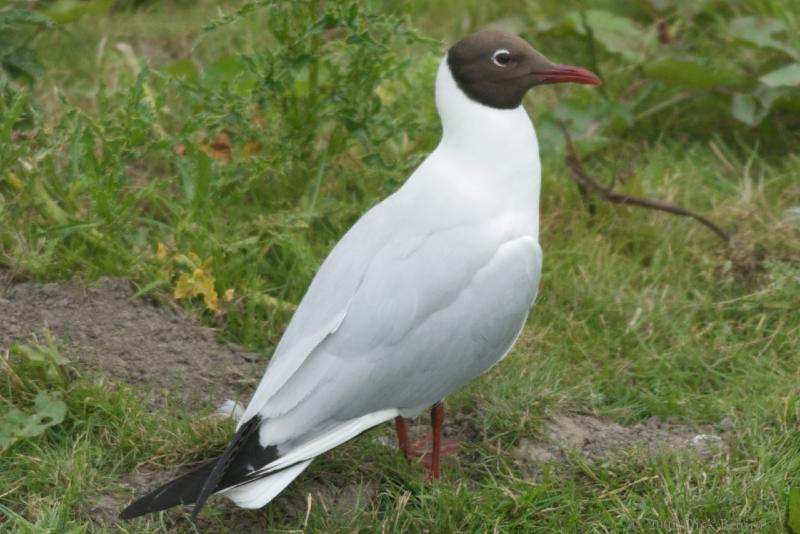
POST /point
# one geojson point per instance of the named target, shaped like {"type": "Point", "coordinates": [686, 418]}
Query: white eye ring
{"type": "Point", "coordinates": [501, 62]}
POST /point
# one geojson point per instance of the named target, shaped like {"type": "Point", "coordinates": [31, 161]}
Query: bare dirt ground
{"type": "Point", "coordinates": [596, 439]}
{"type": "Point", "coordinates": [157, 349]}
{"type": "Point", "coordinates": [168, 356]}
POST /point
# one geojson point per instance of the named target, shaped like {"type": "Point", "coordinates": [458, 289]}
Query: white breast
{"type": "Point", "coordinates": [491, 151]}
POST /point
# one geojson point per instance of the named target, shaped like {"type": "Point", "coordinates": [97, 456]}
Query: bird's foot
{"type": "Point", "coordinates": [422, 449]}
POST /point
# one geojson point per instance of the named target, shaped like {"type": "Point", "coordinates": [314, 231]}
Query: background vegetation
{"type": "Point", "coordinates": [214, 154]}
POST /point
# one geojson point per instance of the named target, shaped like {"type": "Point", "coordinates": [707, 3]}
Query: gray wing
{"type": "Point", "coordinates": [324, 305]}
{"type": "Point", "coordinates": [428, 314]}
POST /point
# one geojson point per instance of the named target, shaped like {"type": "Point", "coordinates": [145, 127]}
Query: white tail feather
{"type": "Point", "coordinates": [286, 468]}
{"type": "Point", "coordinates": [334, 437]}
{"type": "Point", "coordinates": [258, 493]}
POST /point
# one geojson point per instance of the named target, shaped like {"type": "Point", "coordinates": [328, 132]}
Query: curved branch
{"type": "Point", "coordinates": [584, 180]}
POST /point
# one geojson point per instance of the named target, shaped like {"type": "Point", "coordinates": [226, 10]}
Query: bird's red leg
{"type": "Point", "coordinates": [437, 418]}
{"type": "Point", "coordinates": [430, 448]}
{"type": "Point", "coordinates": [402, 434]}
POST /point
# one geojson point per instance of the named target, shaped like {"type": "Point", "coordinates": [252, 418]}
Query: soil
{"type": "Point", "coordinates": [160, 351]}
{"type": "Point", "coordinates": [595, 439]}
{"type": "Point", "coordinates": [168, 357]}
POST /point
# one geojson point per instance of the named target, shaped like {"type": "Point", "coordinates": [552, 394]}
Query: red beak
{"type": "Point", "coordinates": [567, 74]}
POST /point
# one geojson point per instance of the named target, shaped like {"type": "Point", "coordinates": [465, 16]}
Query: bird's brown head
{"type": "Point", "coordinates": [497, 69]}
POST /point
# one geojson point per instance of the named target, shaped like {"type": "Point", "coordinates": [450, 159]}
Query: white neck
{"type": "Point", "coordinates": [501, 143]}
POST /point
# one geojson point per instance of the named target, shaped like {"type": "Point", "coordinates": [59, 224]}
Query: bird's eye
{"type": "Point", "coordinates": [501, 57]}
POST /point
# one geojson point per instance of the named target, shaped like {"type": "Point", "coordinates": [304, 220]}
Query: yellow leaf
{"type": "Point", "coordinates": [183, 289]}
{"type": "Point", "coordinates": [212, 301]}
{"type": "Point", "coordinates": [228, 297]}
{"type": "Point", "coordinates": [162, 251]}
{"type": "Point", "coordinates": [205, 286]}
{"type": "Point", "coordinates": [15, 182]}
{"type": "Point", "coordinates": [199, 283]}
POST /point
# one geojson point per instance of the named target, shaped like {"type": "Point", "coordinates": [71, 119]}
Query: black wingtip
{"type": "Point", "coordinates": [197, 486]}
{"type": "Point", "coordinates": [247, 433]}
{"type": "Point", "coordinates": [182, 490]}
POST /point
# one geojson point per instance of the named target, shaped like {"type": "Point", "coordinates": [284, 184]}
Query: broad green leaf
{"type": "Point", "coordinates": [14, 17]}
{"type": "Point", "coordinates": [753, 107]}
{"type": "Point", "coordinates": [49, 411]}
{"type": "Point", "coordinates": [616, 34]}
{"type": "Point", "coordinates": [744, 108]}
{"type": "Point", "coordinates": [25, 63]}
{"type": "Point", "coordinates": [761, 32]}
{"type": "Point", "coordinates": [46, 357]}
{"type": "Point", "coordinates": [588, 122]}
{"type": "Point", "coordinates": [788, 76]}
{"type": "Point", "coordinates": [16, 424]}
{"type": "Point", "coordinates": [40, 354]}
{"type": "Point", "coordinates": [690, 72]}
{"type": "Point", "coordinates": [10, 424]}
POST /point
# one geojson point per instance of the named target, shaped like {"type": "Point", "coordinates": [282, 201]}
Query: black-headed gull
{"type": "Point", "coordinates": [428, 290]}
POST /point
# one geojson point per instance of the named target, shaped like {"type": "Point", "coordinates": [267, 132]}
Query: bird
{"type": "Point", "coordinates": [425, 292]}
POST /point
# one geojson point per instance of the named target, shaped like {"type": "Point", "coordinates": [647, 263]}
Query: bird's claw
{"type": "Point", "coordinates": [421, 450]}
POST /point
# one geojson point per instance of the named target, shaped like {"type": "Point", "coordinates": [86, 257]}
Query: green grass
{"type": "Point", "coordinates": [640, 314]}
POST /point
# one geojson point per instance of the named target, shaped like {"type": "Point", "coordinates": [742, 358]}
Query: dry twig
{"type": "Point", "coordinates": [587, 183]}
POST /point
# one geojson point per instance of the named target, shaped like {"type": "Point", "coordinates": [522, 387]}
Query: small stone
{"type": "Point", "coordinates": [529, 452]}
{"type": "Point", "coordinates": [706, 444]}
{"type": "Point", "coordinates": [726, 423]}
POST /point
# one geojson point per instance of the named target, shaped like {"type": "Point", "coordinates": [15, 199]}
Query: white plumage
{"type": "Point", "coordinates": [426, 291]}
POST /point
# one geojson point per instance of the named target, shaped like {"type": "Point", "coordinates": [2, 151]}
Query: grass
{"type": "Point", "coordinates": [640, 314]}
